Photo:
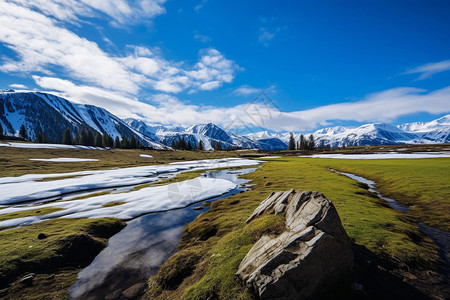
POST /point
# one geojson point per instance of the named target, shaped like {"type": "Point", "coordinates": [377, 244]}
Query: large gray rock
{"type": "Point", "coordinates": [310, 257]}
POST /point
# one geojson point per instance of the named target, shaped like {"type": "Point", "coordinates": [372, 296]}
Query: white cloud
{"type": "Point", "coordinates": [42, 45]}
{"type": "Point", "coordinates": [245, 90]}
{"type": "Point", "coordinates": [18, 86]}
{"type": "Point", "coordinates": [428, 70]}
{"type": "Point", "coordinates": [202, 38]}
{"type": "Point", "coordinates": [120, 11]}
{"type": "Point", "coordinates": [265, 36]}
{"type": "Point", "coordinates": [198, 7]}
{"type": "Point", "coordinates": [384, 106]}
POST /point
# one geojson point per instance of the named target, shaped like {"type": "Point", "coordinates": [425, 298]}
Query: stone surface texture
{"type": "Point", "coordinates": [308, 259]}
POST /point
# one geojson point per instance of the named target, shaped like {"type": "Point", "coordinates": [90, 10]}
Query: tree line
{"type": "Point", "coordinates": [23, 134]}
{"type": "Point", "coordinates": [182, 144]}
{"type": "Point", "coordinates": [302, 144]}
{"type": "Point", "coordinates": [87, 138]}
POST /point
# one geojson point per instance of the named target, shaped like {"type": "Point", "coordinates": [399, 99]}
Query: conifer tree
{"type": "Point", "coordinates": [218, 147]}
{"type": "Point", "coordinates": [188, 145]}
{"type": "Point", "coordinates": [105, 139]}
{"type": "Point", "coordinates": [124, 143]}
{"type": "Point", "coordinates": [182, 144]}
{"type": "Point", "coordinates": [200, 145]}
{"type": "Point", "coordinates": [67, 137]}
{"type": "Point", "coordinates": [117, 143]}
{"type": "Point", "coordinates": [132, 144]}
{"type": "Point", "coordinates": [23, 132]}
{"type": "Point", "coordinates": [76, 139]}
{"type": "Point", "coordinates": [302, 142]}
{"type": "Point", "coordinates": [291, 142]}
{"type": "Point", "coordinates": [90, 138]}
{"type": "Point", "coordinates": [1, 131]}
{"type": "Point", "coordinates": [39, 137]}
{"type": "Point", "coordinates": [172, 145]}
{"type": "Point", "coordinates": [83, 138]}
{"type": "Point", "coordinates": [98, 140]}
{"type": "Point", "coordinates": [311, 143]}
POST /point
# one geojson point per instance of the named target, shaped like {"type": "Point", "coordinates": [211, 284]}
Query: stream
{"type": "Point", "coordinates": [135, 253]}
{"type": "Point", "coordinates": [440, 237]}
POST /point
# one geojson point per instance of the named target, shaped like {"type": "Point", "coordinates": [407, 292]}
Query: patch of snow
{"type": "Point", "coordinates": [146, 156]}
{"type": "Point", "coordinates": [49, 146]}
{"type": "Point", "coordinates": [271, 157]}
{"type": "Point", "coordinates": [394, 155]}
{"type": "Point", "coordinates": [31, 187]}
{"type": "Point", "coordinates": [143, 201]}
{"type": "Point", "coordinates": [64, 159]}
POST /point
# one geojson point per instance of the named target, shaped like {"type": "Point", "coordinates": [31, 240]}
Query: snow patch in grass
{"type": "Point", "coordinates": [393, 155]}
{"type": "Point", "coordinates": [64, 159]}
{"type": "Point", "coordinates": [48, 146]}
{"type": "Point", "coordinates": [146, 156]}
{"type": "Point", "coordinates": [271, 157]}
{"type": "Point", "coordinates": [143, 201]}
{"type": "Point", "coordinates": [31, 187]}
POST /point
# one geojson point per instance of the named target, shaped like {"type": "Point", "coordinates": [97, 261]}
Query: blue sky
{"type": "Point", "coordinates": [322, 63]}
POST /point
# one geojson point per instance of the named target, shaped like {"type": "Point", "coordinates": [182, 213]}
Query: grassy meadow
{"type": "Point", "coordinates": [215, 243]}
{"type": "Point", "coordinates": [219, 238]}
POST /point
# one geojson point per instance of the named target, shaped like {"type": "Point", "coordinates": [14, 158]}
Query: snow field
{"type": "Point", "coordinates": [392, 155]}
{"type": "Point", "coordinates": [135, 203]}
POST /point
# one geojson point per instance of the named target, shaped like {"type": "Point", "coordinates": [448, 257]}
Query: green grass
{"type": "Point", "coordinates": [219, 238]}
{"type": "Point", "coordinates": [111, 204]}
{"type": "Point", "coordinates": [390, 234]}
{"type": "Point", "coordinates": [421, 184]}
{"type": "Point", "coordinates": [29, 213]}
{"type": "Point", "coordinates": [23, 252]}
{"type": "Point", "coordinates": [16, 161]}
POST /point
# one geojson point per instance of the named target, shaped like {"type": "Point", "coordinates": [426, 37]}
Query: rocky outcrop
{"type": "Point", "coordinates": [310, 257]}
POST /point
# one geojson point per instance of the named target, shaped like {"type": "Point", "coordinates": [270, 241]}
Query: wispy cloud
{"type": "Point", "coordinates": [18, 86]}
{"type": "Point", "coordinates": [43, 46]}
{"type": "Point", "coordinates": [247, 90]}
{"type": "Point", "coordinates": [384, 106]}
{"type": "Point", "coordinates": [202, 38]}
{"type": "Point", "coordinates": [428, 70]}
{"type": "Point", "coordinates": [266, 35]}
{"type": "Point", "coordinates": [198, 7]}
{"type": "Point", "coordinates": [120, 11]}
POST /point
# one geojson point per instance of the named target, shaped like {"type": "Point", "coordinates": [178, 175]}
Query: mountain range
{"type": "Point", "coordinates": [44, 113]}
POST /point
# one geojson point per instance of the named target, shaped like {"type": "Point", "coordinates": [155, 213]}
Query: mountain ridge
{"type": "Point", "coordinates": [50, 114]}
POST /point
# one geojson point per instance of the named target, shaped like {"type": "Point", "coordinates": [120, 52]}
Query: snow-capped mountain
{"type": "Point", "coordinates": [43, 113]}
{"type": "Point", "coordinates": [210, 135]}
{"type": "Point", "coordinates": [437, 131]}
{"type": "Point", "coordinates": [368, 134]}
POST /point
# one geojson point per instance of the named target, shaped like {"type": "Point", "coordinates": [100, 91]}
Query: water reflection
{"type": "Point", "coordinates": [136, 252]}
{"type": "Point", "coordinates": [371, 184]}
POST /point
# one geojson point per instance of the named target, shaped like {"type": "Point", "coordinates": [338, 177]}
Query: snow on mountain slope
{"type": "Point", "coordinates": [43, 113]}
{"type": "Point", "coordinates": [436, 131]}
{"type": "Point", "coordinates": [426, 126]}
{"type": "Point", "coordinates": [268, 141]}
{"type": "Point", "coordinates": [368, 134]}
{"type": "Point", "coordinates": [210, 134]}
{"type": "Point", "coordinates": [49, 114]}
